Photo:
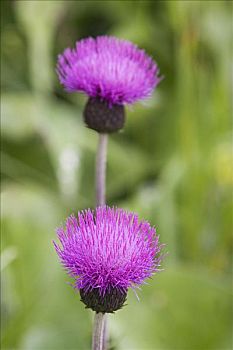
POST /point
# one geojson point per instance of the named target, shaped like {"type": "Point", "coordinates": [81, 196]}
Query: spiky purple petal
{"type": "Point", "coordinates": [108, 248]}
{"type": "Point", "coordinates": [109, 68]}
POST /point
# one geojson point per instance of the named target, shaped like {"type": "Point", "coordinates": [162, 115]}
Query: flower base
{"type": "Point", "coordinates": [101, 117]}
{"type": "Point", "coordinates": [111, 301]}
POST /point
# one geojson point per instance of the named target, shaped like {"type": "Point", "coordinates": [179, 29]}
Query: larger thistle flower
{"type": "Point", "coordinates": [107, 252]}
{"type": "Point", "coordinates": [112, 72]}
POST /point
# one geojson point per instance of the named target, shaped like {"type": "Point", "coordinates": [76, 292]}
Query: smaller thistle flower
{"type": "Point", "coordinates": [107, 252]}
{"type": "Point", "coordinates": [112, 72]}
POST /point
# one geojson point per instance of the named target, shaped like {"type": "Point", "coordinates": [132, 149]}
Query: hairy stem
{"type": "Point", "coordinates": [101, 169]}
{"type": "Point", "coordinates": [98, 331]}
{"type": "Point", "coordinates": [101, 160]}
{"type": "Point", "coordinates": [105, 344]}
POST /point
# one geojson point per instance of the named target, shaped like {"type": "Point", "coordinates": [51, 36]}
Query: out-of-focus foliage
{"type": "Point", "coordinates": [172, 164]}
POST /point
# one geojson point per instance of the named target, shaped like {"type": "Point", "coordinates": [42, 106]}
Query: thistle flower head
{"type": "Point", "coordinates": [113, 70]}
{"type": "Point", "coordinates": [107, 252]}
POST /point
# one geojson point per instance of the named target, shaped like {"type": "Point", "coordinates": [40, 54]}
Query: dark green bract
{"type": "Point", "coordinates": [112, 300]}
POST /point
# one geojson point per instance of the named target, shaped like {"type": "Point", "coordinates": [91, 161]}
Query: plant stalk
{"type": "Point", "coordinates": [98, 331]}
{"type": "Point", "coordinates": [101, 169]}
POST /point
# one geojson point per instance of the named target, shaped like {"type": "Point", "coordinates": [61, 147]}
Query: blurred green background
{"type": "Point", "coordinates": [171, 164]}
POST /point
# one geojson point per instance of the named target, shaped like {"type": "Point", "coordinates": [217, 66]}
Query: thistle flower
{"type": "Point", "coordinates": [112, 72]}
{"type": "Point", "coordinates": [107, 252]}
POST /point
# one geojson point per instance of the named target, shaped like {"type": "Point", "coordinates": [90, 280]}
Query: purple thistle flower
{"type": "Point", "coordinates": [108, 68]}
{"type": "Point", "coordinates": [107, 252]}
